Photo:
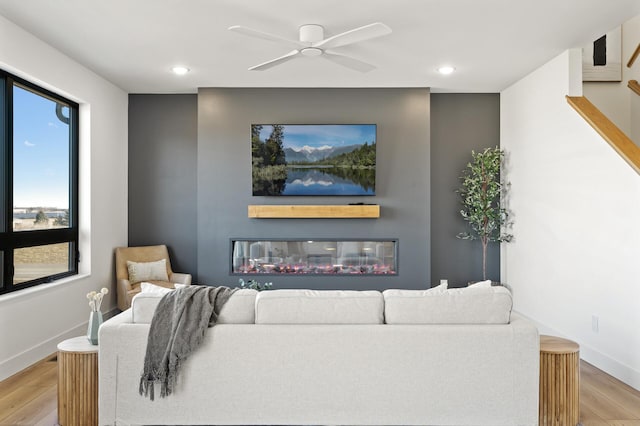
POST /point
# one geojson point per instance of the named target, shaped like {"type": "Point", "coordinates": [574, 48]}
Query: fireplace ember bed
{"type": "Point", "coordinates": [314, 257]}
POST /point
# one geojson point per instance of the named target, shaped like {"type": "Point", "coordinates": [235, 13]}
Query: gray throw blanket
{"type": "Point", "coordinates": [177, 329]}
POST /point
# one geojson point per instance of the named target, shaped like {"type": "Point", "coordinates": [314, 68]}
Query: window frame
{"type": "Point", "coordinates": [10, 239]}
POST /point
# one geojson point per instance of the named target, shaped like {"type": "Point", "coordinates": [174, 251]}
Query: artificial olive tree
{"type": "Point", "coordinates": [482, 195]}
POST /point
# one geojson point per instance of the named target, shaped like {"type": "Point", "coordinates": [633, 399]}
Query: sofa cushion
{"type": "Point", "coordinates": [143, 305]}
{"type": "Point", "coordinates": [473, 305]}
{"type": "Point", "coordinates": [239, 309]}
{"type": "Point", "coordinates": [319, 307]}
{"type": "Point", "coordinates": [151, 288]}
{"type": "Point", "coordinates": [478, 284]}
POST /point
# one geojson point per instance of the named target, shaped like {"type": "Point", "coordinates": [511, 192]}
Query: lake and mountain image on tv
{"type": "Point", "coordinates": [322, 159]}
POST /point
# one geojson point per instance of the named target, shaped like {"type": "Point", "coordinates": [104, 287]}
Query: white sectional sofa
{"type": "Point", "coordinates": [301, 357]}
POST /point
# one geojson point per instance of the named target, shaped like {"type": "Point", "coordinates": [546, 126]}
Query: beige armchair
{"type": "Point", "coordinates": [127, 289]}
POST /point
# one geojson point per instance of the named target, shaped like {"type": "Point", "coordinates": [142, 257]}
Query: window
{"type": "Point", "coordinates": [38, 185]}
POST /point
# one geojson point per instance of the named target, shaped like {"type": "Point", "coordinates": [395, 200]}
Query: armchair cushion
{"type": "Point", "coordinates": [147, 271]}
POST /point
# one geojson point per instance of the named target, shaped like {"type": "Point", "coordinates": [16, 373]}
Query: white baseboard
{"type": "Point", "coordinates": [36, 353]}
{"type": "Point", "coordinates": [611, 366]}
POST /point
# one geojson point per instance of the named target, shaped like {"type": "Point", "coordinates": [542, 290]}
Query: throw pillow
{"type": "Point", "coordinates": [480, 284]}
{"type": "Point", "coordinates": [439, 288]}
{"type": "Point", "coordinates": [147, 271]}
{"type": "Point", "coordinates": [149, 288]}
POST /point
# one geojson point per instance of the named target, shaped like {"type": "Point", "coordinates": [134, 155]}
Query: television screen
{"type": "Point", "coordinates": [319, 159]}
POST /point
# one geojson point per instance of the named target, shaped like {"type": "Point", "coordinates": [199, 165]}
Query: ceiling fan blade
{"type": "Point", "coordinates": [262, 35]}
{"type": "Point", "coordinates": [277, 61]}
{"type": "Point", "coordinates": [348, 61]}
{"type": "Point", "coordinates": [353, 36]}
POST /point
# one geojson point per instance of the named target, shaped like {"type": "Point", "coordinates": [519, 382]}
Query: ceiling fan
{"type": "Point", "coordinates": [312, 43]}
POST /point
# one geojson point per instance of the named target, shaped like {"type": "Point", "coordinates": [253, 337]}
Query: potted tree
{"type": "Point", "coordinates": [482, 195]}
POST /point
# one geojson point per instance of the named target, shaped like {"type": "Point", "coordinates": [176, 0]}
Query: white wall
{"type": "Point", "coordinates": [33, 321]}
{"type": "Point", "coordinates": [615, 99]}
{"type": "Point", "coordinates": [575, 204]}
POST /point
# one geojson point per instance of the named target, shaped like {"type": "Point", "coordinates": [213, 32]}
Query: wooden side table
{"type": "Point", "coordinates": [77, 382]}
{"type": "Point", "coordinates": [559, 382]}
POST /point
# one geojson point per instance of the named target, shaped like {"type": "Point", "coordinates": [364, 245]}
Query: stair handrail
{"type": "Point", "coordinates": [611, 133]}
{"type": "Point", "coordinates": [634, 56]}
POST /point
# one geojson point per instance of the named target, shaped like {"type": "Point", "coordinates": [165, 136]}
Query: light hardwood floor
{"type": "Point", "coordinates": [30, 398]}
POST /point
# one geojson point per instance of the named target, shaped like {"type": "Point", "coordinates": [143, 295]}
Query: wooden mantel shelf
{"type": "Point", "coordinates": [367, 211]}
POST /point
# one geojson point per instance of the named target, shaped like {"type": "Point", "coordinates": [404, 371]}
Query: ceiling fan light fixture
{"type": "Point", "coordinates": [311, 51]}
{"type": "Point", "coordinates": [445, 70]}
{"type": "Point", "coordinates": [312, 43]}
{"type": "Point", "coordinates": [180, 70]}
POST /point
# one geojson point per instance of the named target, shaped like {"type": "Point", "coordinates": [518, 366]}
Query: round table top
{"type": "Point", "coordinates": [77, 344]}
{"type": "Point", "coordinates": [557, 345]}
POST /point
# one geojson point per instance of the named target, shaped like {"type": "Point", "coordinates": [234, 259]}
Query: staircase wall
{"type": "Point", "coordinates": [575, 203]}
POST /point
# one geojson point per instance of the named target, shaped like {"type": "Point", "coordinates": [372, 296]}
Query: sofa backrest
{"type": "Point", "coordinates": [239, 309]}
{"type": "Point", "coordinates": [319, 307]}
{"type": "Point", "coordinates": [490, 305]}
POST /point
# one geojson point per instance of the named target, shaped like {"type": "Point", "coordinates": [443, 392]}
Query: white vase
{"type": "Point", "coordinates": [95, 320]}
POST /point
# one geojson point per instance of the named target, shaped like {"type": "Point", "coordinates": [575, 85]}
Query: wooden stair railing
{"type": "Point", "coordinates": [633, 85]}
{"type": "Point", "coordinates": [619, 141]}
{"type": "Point", "coordinates": [634, 56]}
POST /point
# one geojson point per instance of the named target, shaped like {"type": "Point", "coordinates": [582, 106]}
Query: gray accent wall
{"type": "Point", "coordinates": [402, 183]}
{"type": "Point", "coordinates": [190, 178]}
{"type": "Point", "coordinates": [460, 123]}
{"type": "Point", "coordinates": [162, 175]}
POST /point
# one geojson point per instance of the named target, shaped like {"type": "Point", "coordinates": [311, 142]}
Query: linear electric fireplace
{"type": "Point", "coordinates": [314, 257]}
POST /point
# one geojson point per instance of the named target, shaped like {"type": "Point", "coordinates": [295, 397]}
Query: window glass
{"type": "Point", "coordinates": [41, 135]}
{"type": "Point", "coordinates": [31, 263]}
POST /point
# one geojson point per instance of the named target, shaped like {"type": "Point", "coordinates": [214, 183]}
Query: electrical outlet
{"type": "Point", "coordinates": [595, 327]}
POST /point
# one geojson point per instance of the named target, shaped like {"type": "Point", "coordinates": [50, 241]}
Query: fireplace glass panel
{"type": "Point", "coordinates": [325, 257]}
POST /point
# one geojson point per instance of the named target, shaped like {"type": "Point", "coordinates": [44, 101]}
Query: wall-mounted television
{"type": "Point", "coordinates": [313, 159]}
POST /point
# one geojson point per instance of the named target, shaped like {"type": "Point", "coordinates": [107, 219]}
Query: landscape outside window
{"type": "Point", "coordinates": [40, 180]}
{"type": "Point", "coordinates": [31, 263]}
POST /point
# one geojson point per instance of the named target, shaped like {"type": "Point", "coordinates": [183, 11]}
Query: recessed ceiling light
{"type": "Point", "coordinates": [445, 70]}
{"type": "Point", "coordinates": [180, 70]}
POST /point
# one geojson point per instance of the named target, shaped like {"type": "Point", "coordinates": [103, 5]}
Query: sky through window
{"type": "Point", "coordinates": [40, 152]}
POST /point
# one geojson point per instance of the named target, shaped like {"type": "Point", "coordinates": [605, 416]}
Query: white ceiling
{"type": "Point", "coordinates": [492, 43]}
